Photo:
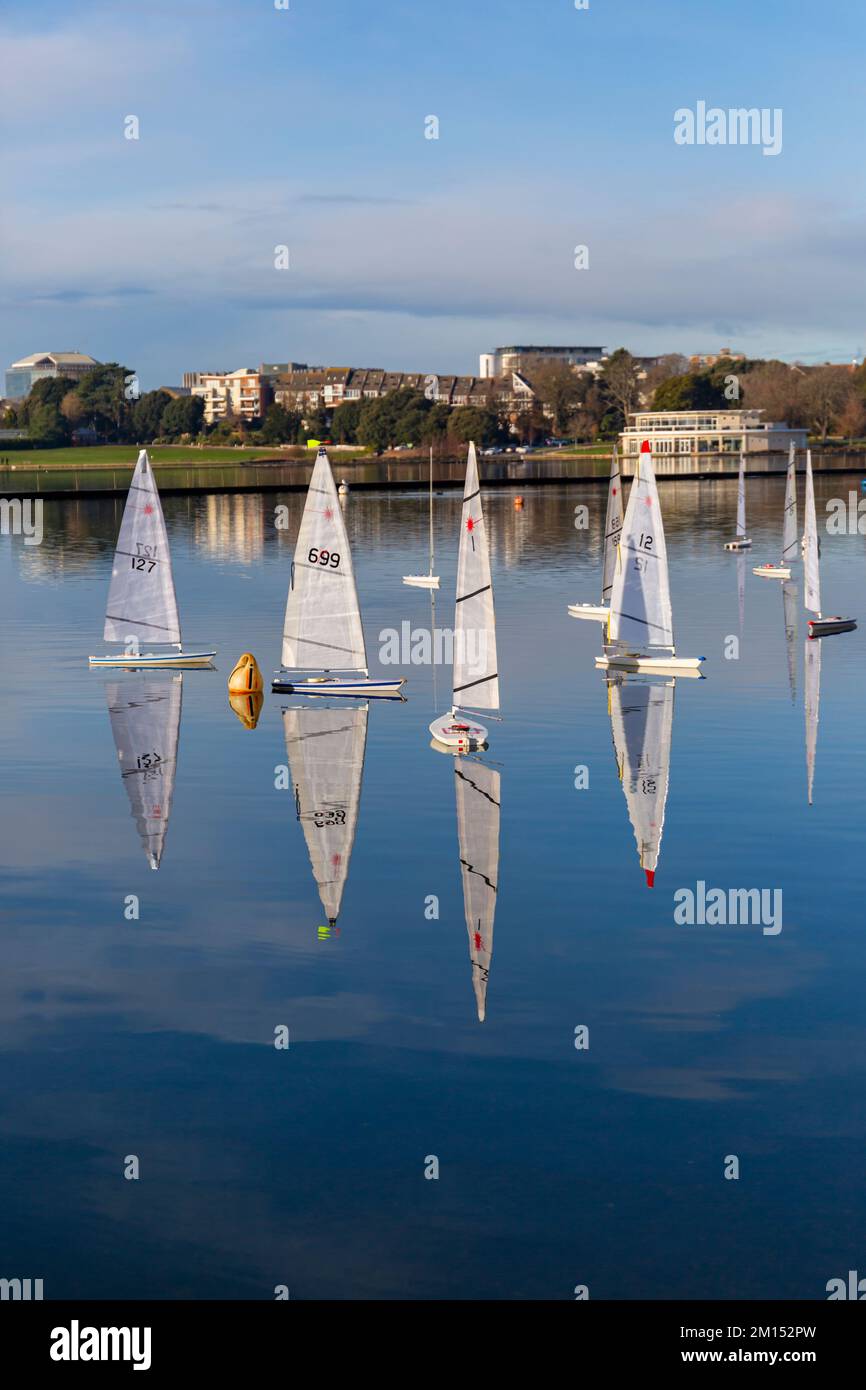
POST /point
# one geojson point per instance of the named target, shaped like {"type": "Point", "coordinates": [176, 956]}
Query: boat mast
{"type": "Point", "coordinates": [431, 511]}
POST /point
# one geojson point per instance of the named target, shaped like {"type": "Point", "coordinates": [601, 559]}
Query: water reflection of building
{"type": "Point", "coordinates": [694, 432]}
{"type": "Point", "coordinates": [232, 525]}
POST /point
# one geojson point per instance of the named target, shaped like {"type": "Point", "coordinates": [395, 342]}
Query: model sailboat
{"type": "Point", "coordinates": [429, 580]}
{"type": "Point", "coordinates": [819, 626]}
{"type": "Point", "coordinates": [477, 788]}
{"type": "Point", "coordinates": [742, 542]}
{"type": "Point", "coordinates": [782, 570]}
{"type": "Point", "coordinates": [145, 721]}
{"type": "Point", "coordinates": [325, 748]}
{"type": "Point", "coordinates": [476, 677]}
{"type": "Point", "coordinates": [322, 631]}
{"type": "Point", "coordinates": [142, 605]}
{"type": "Point", "coordinates": [641, 722]}
{"type": "Point", "coordinates": [640, 635]}
{"type": "Point", "coordinates": [612, 532]}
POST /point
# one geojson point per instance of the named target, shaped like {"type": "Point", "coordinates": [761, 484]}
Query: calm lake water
{"type": "Point", "coordinates": [557, 1166]}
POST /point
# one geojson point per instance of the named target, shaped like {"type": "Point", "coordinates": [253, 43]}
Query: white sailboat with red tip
{"type": "Point", "coordinates": [818, 626]}
{"type": "Point", "coordinates": [782, 570]}
{"type": "Point", "coordinates": [612, 529]}
{"type": "Point", "coordinates": [142, 604]}
{"type": "Point", "coordinates": [640, 633]}
{"type": "Point", "coordinates": [476, 675]}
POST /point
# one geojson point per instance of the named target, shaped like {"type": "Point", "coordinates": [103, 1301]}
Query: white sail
{"type": "Point", "coordinates": [789, 601]}
{"type": "Point", "coordinates": [476, 678]}
{"type": "Point", "coordinates": [322, 629]}
{"type": "Point", "coordinates": [477, 788]}
{"type": "Point", "coordinates": [141, 598]}
{"type": "Point", "coordinates": [789, 525]}
{"type": "Point", "coordinates": [145, 721]}
{"type": "Point", "coordinates": [612, 527]}
{"type": "Point", "coordinates": [640, 601]}
{"type": "Point", "coordinates": [741, 500]}
{"type": "Point", "coordinates": [325, 748]}
{"type": "Point", "coordinates": [641, 721]}
{"type": "Point", "coordinates": [812, 597]}
{"type": "Point", "coordinates": [813, 695]}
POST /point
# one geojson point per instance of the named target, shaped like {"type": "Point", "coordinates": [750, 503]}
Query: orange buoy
{"type": "Point", "coordinates": [246, 678]}
{"type": "Point", "coordinates": [518, 503]}
{"type": "Point", "coordinates": [248, 707]}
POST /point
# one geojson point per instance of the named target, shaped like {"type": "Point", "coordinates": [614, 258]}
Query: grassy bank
{"type": "Point", "coordinates": [125, 455]}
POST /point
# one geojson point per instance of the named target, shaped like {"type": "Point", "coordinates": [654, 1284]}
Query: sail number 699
{"type": "Point", "coordinates": [328, 558]}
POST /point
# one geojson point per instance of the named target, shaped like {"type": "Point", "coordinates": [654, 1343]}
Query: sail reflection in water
{"type": "Point", "coordinates": [789, 603]}
{"type": "Point", "coordinates": [641, 721]}
{"type": "Point", "coordinates": [478, 802]}
{"type": "Point", "coordinates": [325, 748]}
{"type": "Point", "coordinates": [145, 721]}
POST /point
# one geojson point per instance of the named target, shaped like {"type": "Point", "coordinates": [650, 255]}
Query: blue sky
{"type": "Point", "coordinates": [305, 128]}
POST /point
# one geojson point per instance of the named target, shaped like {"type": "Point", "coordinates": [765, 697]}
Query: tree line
{"type": "Point", "coordinates": [828, 400]}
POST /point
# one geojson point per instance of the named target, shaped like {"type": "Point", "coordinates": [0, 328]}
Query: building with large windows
{"type": "Point", "coordinates": [702, 433]}
{"type": "Point", "coordinates": [22, 375]}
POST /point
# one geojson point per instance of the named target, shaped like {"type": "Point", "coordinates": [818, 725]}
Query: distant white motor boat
{"type": "Point", "coordinates": [475, 677]}
{"type": "Point", "coordinates": [742, 542]}
{"type": "Point", "coordinates": [640, 633]}
{"type": "Point", "coordinates": [429, 580]}
{"type": "Point", "coordinates": [789, 528]}
{"type": "Point", "coordinates": [322, 631]}
{"type": "Point", "coordinates": [142, 604]}
{"type": "Point", "coordinates": [819, 626]}
{"type": "Point", "coordinates": [598, 612]}
{"type": "Point", "coordinates": [343, 489]}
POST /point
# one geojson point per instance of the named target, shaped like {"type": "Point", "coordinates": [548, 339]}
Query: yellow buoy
{"type": "Point", "coordinates": [248, 707]}
{"type": "Point", "coordinates": [246, 678]}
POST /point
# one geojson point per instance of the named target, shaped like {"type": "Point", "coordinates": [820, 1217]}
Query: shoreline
{"type": "Point", "coordinates": [387, 473]}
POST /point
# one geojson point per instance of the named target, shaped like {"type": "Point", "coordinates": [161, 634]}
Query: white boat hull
{"type": "Point", "coordinates": [658, 665]}
{"type": "Point", "coordinates": [145, 660]}
{"type": "Point", "coordinates": [422, 581]}
{"type": "Point", "coordinates": [337, 685]}
{"type": "Point", "coordinates": [772, 571]}
{"type": "Point", "coordinates": [825, 627]}
{"type": "Point", "coordinates": [454, 731]}
{"type": "Point", "coordinates": [596, 612]}
{"type": "Point", "coordinates": [739, 545]}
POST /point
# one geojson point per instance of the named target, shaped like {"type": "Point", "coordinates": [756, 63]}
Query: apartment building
{"type": "Point", "coordinates": [244, 393]}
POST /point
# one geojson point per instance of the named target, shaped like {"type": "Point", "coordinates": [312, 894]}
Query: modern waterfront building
{"type": "Point", "coordinates": [22, 375]}
{"type": "Point", "coordinates": [503, 360]}
{"type": "Point", "coordinates": [244, 393]}
{"type": "Point", "coordinates": [693, 433]}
